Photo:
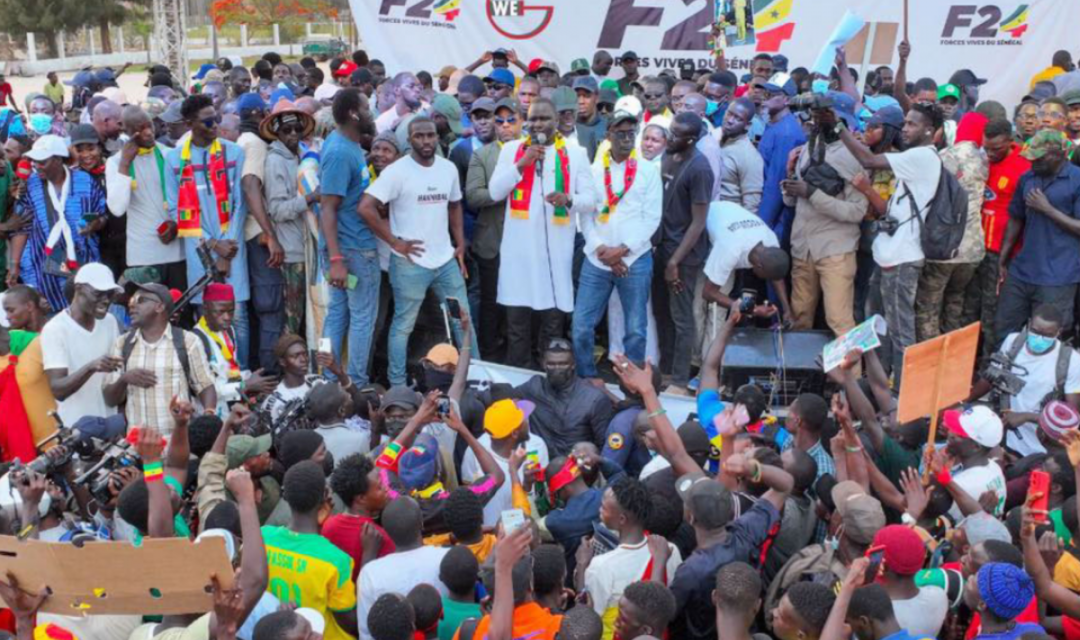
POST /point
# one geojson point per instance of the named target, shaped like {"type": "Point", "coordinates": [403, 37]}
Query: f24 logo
{"type": "Point", "coordinates": [991, 21]}
{"type": "Point", "coordinates": [448, 9]}
{"type": "Point", "coordinates": [692, 34]}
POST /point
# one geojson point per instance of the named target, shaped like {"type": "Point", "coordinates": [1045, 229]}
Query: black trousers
{"type": "Point", "coordinates": [519, 334]}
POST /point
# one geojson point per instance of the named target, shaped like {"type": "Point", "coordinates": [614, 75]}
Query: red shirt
{"type": "Point", "coordinates": [5, 91]}
{"type": "Point", "coordinates": [344, 531]}
{"type": "Point", "coordinates": [1000, 188]}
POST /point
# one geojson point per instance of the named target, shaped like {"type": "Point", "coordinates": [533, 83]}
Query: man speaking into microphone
{"type": "Point", "coordinates": [547, 182]}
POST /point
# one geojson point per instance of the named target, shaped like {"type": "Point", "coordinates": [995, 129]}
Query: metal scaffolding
{"type": "Point", "coordinates": [170, 36]}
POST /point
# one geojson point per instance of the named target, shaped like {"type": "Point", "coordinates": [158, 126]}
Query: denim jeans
{"type": "Point", "coordinates": [411, 283]}
{"type": "Point", "coordinates": [899, 285]}
{"type": "Point", "coordinates": [354, 310]}
{"type": "Point", "coordinates": [267, 303]}
{"type": "Point", "coordinates": [594, 291]}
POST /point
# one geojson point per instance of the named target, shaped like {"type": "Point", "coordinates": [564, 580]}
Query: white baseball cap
{"type": "Point", "coordinates": [314, 618]}
{"type": "Point", "coordinates": [978, 423]}
{"type": "Point", "coordinates": [97, 276]}
{"type": "Point", "coordinates": [630, 105]}
{"type": "Point", "coordinates": [46, 147]}
{"type": "Point", "coordinates": [326, 92]}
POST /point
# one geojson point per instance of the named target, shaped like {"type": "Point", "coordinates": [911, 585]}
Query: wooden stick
{"type": "Point", "coordinates": [935, 408]}
{"type": "Point", "coordinates": [906, 21]}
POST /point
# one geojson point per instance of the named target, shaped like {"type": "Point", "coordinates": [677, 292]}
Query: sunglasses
{"type": "Point", "coordinates": [210, 123]}
{"type": "Point", "coordinates": [560, 344]}
{"type": "Point", "coordinates": [290, 129]}
{"type": "Point", "coordinates": [510, 120]}
{"type": "Point", "coordinates": [654, 96]}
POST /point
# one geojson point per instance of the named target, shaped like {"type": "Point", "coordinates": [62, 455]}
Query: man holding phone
{"type": "Point", "coordinates": [423, 192]}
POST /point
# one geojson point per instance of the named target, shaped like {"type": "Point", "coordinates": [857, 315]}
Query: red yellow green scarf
{"type": "Point", "coordinates": [522, 194]}
{"type": "Point", "coordinates": [189, 222]}
{"type": "Point", "coordinates": [613, 199]}
{"type": "Point", "coordinates": [227, 346]}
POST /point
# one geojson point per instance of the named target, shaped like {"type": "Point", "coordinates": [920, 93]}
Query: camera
{"type": "Point", "coordinates": [116, 455]}
{"type": "Point", "coordinates": [811, 102]}
{"type": "Point", "coordinates": [999, 374]}
{"type": "Point", "coordinates": [887, 225]}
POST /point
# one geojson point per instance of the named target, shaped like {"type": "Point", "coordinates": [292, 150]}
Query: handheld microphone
{"type": "Point", "coordinates": [541, 139]}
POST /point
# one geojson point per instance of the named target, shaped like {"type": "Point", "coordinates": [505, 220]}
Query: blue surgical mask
{"type": "Point", "coordinates": [711, 107]}
{"type": "Point", "coordinates": [1039, 345]}
{"type": "Point", "coordinates": [820, 87]}
{"type": "Point", "coordinates": [41, 123]}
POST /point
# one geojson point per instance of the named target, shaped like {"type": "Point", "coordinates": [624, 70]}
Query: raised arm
{"type": "Point", "coordinates": [160, 520]}
{"type": "Point", "coordinates": [483, 456]}
{"type": "Point", "coordinates": [900, 79]}
{"type": "Point", "coordinates": [461, 373]}
{"type": "Point", "coordinates": [714, 359]}
{"type": "Point", "coordinates": [867, 158]}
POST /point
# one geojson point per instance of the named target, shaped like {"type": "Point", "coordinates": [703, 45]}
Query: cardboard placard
{"type": "Point", "coordinates": [937, 373]}
{"type": "Point", "coordinates": [163, 576]}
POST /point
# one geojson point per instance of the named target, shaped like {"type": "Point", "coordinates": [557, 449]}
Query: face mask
{"type": "Point", "coordinates": [41, 123]}
{"type": "Point", "coordinates": [395, 427]}
{"type": "Point", "coordinates": [561, 378]}
{"type": "Point", "coordinates": [436, 379]}
{"type": "Point", "coordinates": [1039, 344]}
{"type": "Point", "coordinates": [832, 543]}
{"type": "Point", "coordinates": [820, 87]}
{"type": "Point", "coordinates": [711, 107]}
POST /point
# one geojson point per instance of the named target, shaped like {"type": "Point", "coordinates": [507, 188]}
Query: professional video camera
{"type": "Point", "coordinates": [999, 373]}
{"type": "Point", "coordinates": [211, 274]}
{"type": "Point", "coordinates": [810, 102]}
{"type": "Point", "coordinates": [116, 455]}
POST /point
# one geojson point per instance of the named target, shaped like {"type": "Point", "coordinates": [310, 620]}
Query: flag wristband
{"type": "Point", "coordinates": [153, 471]}
{"type": "Point", "coordinates": [388, 458]}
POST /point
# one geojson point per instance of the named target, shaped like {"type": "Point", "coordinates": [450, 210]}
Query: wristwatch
{"type": "Point", "coordinates": [907, 519]}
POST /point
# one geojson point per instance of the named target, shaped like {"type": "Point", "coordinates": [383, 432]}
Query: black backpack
{"type": "Point", "coordinates": [942, 231]}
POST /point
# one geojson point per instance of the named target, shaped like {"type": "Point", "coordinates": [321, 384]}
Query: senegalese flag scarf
{"type": "Point", "coordinates": [189, 211]}
{"type": "Point", "coordinates": [613, 199]}
{"type": "Point", "coordinates": [227, 346]}
{"type": "Point", "coordinates": [522, 194]}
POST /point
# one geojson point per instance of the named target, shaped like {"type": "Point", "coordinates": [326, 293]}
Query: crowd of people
{"type": "Point", "coordinates": [233, 281]}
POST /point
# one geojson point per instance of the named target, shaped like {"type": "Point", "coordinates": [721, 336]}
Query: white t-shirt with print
{"type": "Point", "coordinates": [977, 481]}
{"type": "Point", "coordinates": [733, 233]}
{"type": "Point", "coordinates": [65, 344]}
{"type": "Point", "coordinates": [1041, 377]}
{"type": "Point", "coordinates": [504, 497]}
{"type": "Point", "coordinates": [419, 199]}
{"type": "Point", "coordinates": [919, 170]}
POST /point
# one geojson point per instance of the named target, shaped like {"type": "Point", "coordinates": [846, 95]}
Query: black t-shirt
{"type": "Point", "coordinates": [685, 184]}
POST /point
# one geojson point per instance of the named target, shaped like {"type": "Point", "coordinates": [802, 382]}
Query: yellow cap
{"type": "Point", "coordinates": [442, 354]}
{"type": "Point", "coordinates": [502, 418]}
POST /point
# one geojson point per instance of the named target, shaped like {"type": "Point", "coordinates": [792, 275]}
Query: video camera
{"type": "Point", "coordinates": [999, 373]}
{"type": "Point", "coordinates": [117, 455]}
{"type": "Point", "coordinates": [811, 102]}
{"type": "Point", "coordinates": [211, 274]}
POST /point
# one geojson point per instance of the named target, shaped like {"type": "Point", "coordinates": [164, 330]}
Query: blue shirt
{"type": "Point", "coordinates": [85, 198]}
{"type": "Point", "coordinates": [343, 173]}
{"type": "Point", "coordinates": [776, 144]}
{"type": "Point", "coordinates": [1050, 256]}
{"type": "Point", "coordinates": [1020, 629]}
{"type": "Point", "coordinates": [620, 447]}
{"type": "Point", "coordinates": [904, 635]}
{"type": "Point", "coordinates": [208, 216]}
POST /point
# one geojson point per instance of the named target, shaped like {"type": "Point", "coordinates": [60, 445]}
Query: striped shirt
{"type": "Point", "coordinates": [86, 198]}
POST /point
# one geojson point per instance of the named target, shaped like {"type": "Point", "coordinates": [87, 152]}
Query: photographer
{"type": "Point", "coordinates": [898, 247]}
{"type": "Point", "coordinates": [825, 233]}
{"type": "Point", "coordinates": [1050, 370]}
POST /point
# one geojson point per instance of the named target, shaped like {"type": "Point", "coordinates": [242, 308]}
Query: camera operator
{"type": "Point", "coordinates": [1050, 370]}
{"type": "Point", "coordinates": [898, 247]}
{"type": "Point", "coordinates": [741, 240]}
{"type": "Point", "coordinates": [825, 234]}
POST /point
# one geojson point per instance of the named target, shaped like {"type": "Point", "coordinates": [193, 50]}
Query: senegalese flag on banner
{"type": "Point", "coordinates": [1016, 24]}
{"type": "Point", "coordinates": [771, 24]}
{"type": "Point", "coordinates": [448, 9]}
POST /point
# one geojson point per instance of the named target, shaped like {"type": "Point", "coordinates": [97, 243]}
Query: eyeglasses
{"type": "Point", "coordinates": [629, 134]}
{"type": "Point", "coordinates": [510, 120]}
{"type": "Point", "coordinates": [210, 123]}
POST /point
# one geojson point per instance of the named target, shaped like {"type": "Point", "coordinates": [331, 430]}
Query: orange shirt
{"type": "Point", "coordinates": [530, 621]}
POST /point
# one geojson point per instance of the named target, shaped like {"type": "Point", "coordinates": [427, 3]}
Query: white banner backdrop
{"type": "Point", "coordinates": [1005, 41]}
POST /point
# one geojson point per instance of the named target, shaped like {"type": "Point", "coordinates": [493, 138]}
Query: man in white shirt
{"type": "Point", "coordinates": [899, 254]}
{"type": "Point", "coordinates": [537, 251]}
{"type": "Point", "coordinates": [411, 564]}
{"type": "Point", "coordinates": [1051, 371]}
{"type": "Point", "coordinates": [741, 240]}
{"type": "Point", "coordinates": [618, 244]}
{"type": "Point", "coordinates": [423, 192]}
{"type": "Point", "coordinates": [135, 189]}
{"type": "Point", "coordinates": [973, 432]}
{"type": "Point", "coordinates": [76, 344]}
{"type": "Point", "coordinates": [506, 426]}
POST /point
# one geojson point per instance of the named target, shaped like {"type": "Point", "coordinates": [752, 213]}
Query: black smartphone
{"type": "Point", "coordinates": [453, 307]}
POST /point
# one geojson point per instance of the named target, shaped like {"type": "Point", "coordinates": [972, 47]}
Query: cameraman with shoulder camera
{"type": "Point", "coordinates": [828, 211]}
{"type": "Point", "coordinates": [1050, 370]}
{"type": "Point", "coordinates": [898, 248]}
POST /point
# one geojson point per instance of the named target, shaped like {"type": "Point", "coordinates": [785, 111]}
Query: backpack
{"type": "Point", "coordinates": [1061, 369]}
{"type": "Point", "coordinates": [946, 218]}
{"type": "Point", "coordinates": [178, 345]}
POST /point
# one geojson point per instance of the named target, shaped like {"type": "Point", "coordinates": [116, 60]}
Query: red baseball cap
{"type": "Point", "coordinates": [346, 69]}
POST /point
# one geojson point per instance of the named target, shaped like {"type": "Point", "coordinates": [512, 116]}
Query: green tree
{"type": "Point", "coordinates": [45, 16]}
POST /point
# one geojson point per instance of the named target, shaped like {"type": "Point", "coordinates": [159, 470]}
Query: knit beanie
{"type": "Point", "coordinates": [1006, 589]}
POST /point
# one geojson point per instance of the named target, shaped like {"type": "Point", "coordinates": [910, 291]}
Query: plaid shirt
{"type": "Point", "coordinates": [150, 407]}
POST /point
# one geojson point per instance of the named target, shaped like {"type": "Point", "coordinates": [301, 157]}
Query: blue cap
{"type": "Point", "coordinates": [284, 93]}
{"type": "Point", "coordinates": [780, 62]}
{"type": "Point", "coordinates": [203, 70]}
{"type": "Point", "coordinates": [781, 83]}
{"type": "Point", "coordinates": [892, 116]}
{"type": "Point", "coordinates": [105, 76]}
{"type": "Point", "coordinates": [103, 428]}
{"type": "Point", "coordinates": [417, 466]}
{"type": "Point", "coordinates": [586, 83]}
{"type": "Point", "coordinates": [81, 79]}
{"type": "Point", "coordinates": [501, 75]}
{"type": "Point", "coordinates": [844, 106]}
{"type": "Point", "coordinates": [250, 101]}
{"type": "Point", "coordinates": [876, 103]}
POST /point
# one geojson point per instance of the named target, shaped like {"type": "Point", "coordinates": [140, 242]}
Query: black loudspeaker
{"type": "Point", "coordinates": [783, 363]}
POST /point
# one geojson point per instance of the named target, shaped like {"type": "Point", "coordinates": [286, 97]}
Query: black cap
{"type": "Point", "coordinates": [161, 292]}
{"type": "Point", "coordinates": [499, 53]}
{"type": "Point", "coordinates": [506, 103]}
{"type": "Point", "coordinates": [84, 134]}
{"type": "Point", "coordinates": [629, 55]}
{"type": "Point", "coordinates": [608, 96]}
{"type": "Point", "coordinates": [487, 105]}
{"type": "Point", "coordinates": [966, 78]}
